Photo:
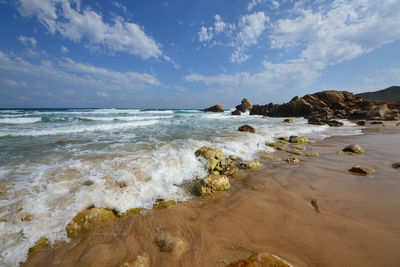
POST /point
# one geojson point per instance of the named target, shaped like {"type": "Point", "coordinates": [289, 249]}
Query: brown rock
{"type": "Point", "coordinates": [361, 170]}
{"type": "Point", "coordinates": [360, 123]}
{"type": "Point", "coordinates": [216, 108]}
{"type": "Point", "coordinates": [356, 149]}
{"type": "Point", "coordinates": [287, 121]}
{"type": "Point", "coordinates": [244, 106]}
{"type": "Point", "coordinates": [236, 112]}
{"type": "Point", "coordinates": [263, 259]}
{"type": "Point", "coordinates": [139, 261]}
{"type": "Point", "coordinates": [334, 123]}
{"type": "Point", "coordinates": [396, 165]}
{"type": "Point", "coordinates": [171, 243]}
{"type": "Point", "coordinates": [376, 122]}
{"type": "Point", "coordinates": [246, 128]}
{"type": "Point", "coordinates": [316, 121]}
{"type": "Point", "coordinates": [314, 203]}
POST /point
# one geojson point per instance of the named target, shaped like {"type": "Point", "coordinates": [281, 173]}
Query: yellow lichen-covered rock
{"type": "Point", "coordinates": [133, 211]}
{"type": "Point", "coordinates": [231, 170]}
{"type": "Point", "coordinates": [210, 184]}
{"type": "Point", "coordinates": [250, 165]}
{"type": "Point", "coordinates": [298, 139]}
{"type": "Point", "coordinates": [88, 220]}
{"type": "Point", "coordinates": [171, 243]}
{"type": "Point", "coordinates": [213, 156]}
{"type": "Point", "coordinates": [313, 155]}
{"type": "Point", "coordinates": [162, 204]}
{"type": "Point", "coordinates": [295, 152]}
{"type": "Point", "coordinates": [42, 243]}
{"type": "Point", "coordinates": [263, 259]}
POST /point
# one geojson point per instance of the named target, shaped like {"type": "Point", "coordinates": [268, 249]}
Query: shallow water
{"type": "Point", "coordinates": [150, 151]}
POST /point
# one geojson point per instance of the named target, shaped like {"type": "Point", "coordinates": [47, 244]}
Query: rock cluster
{"type": "Point", "coordinates": [325, 106]}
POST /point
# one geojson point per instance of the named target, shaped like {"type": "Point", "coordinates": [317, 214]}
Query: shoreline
{"type": "Point", "coordinates": [267, 210]}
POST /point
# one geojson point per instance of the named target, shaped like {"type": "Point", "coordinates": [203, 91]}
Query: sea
{"type": "Point", "coordinates": [55, 163]}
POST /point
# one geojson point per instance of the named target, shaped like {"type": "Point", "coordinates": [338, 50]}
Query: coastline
{"type": "Point", "coordinates": [267, 210]}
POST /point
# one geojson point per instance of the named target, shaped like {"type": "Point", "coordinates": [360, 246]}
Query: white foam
{"type": "Point", "coordinates": [19, 120]}
{"type": "Point", "coordinates": [80, 128]}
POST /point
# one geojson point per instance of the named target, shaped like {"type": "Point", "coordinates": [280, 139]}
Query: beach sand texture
{"type": "Point", "coordinates": [268, 210]}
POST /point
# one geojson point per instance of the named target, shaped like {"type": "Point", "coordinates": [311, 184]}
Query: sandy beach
{"type": "Point", "coordinates": [268, 210]}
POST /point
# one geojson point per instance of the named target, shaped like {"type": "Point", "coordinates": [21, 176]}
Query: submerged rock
{"type": "Point", "coordinates": [298, 139]}
{"type": "Point", "coordinates": [361, 170]}
{"type": "Point", "coordinates": [277, 146]}
{"type": "Point", "coordinates": [171, 243]}
{"type": "Point", "coordinates": [293, 160]}
{"type": "Point", "coordinates": [376, 122]}
{"type": "Point", "coordinates": [287, 121]}
{"type": "Point", "coordinates": [263, 259]}
{"type": "Point", "coordinates": [353, 149]}
{"type": "Point", "coordinates": [65, 142]}
{"type": "Point", "coordinates": [246, 128]}
{"type": "Point", "coordinates": [41, 244]}
{"type": "Point", "coordinates": [361, 123]}
{"type": "Point", "coordinates": [312, 155]}
{"type": "Point", "coordinates": [216, 108]}
{"type": "Point", "coordinates": [295, 152]}
{"type": "Point", "coordinates": [396, 165]}
{"type": "Point", "coordinates": [162, 204]}
{"type": "Point", "coordinates": [250, 165]}
{"type": "Point", "coordinates": [210, 184]}
{"type": "Point", "coordinates": [139, 261]}
{"type": "Point", "coordinates": [314, 203]}
{"type": "Point", "coordinates": [88, 220]}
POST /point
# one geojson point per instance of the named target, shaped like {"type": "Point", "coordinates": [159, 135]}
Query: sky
{"type": "Point", "coordinates": [192, 54]}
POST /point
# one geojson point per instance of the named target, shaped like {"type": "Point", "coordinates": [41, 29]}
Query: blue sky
{"type": "Point", "coordinates": [192, 54]}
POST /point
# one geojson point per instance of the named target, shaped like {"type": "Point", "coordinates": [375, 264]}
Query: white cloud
{"type": "Point", "coordinates": [274, 77]}
{"type": "Point", "coordinates": [251, 26]}
{"type": "Point", "coordinates": [254, 3]}
{"type": "Point", "coordinates": [64, 50]}
{"type": "Point", "coordinates": [67, 71]}
{"type": "Point", "coordinates": [66, 18]}
{"type": "Point", "coordinates": [340, 31]}
{"type": "Point", "coordinates": [103, 94]}
{"type": "Point", "coordinates": [205, 34]}
{"type": "Point", "coordinates": [14, 84]}
{"type": "Point", "coordinates": [238, 56]}
{"type": "Point", "coordinates": [28, 41]}
{"type": "Point", "coordinates": [219, 24]}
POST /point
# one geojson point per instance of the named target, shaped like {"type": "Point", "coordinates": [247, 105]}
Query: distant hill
{"type": "Point", "coordinates": [390, 95]}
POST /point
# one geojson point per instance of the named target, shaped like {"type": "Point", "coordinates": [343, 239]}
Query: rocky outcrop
{"type": "Point", "coordinates": [261, 259]}
{"type": "Point", "coordinates": [216, 108]}
{"type": "Point", "coordinates": [246, 128]}
{"type": "Point", "coordinates": [215, 157]}
{"type": "Point", "coordinates": [322, 107]}
{"type": "Point", "coordinates": [244, 106]}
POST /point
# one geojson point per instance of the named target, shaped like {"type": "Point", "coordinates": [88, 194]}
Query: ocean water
{"type": "Point", "coordinates": [150, 151]}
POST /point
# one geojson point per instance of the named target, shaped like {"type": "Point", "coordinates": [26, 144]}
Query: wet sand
{"type": "Point", "coordinates": [269, 210]}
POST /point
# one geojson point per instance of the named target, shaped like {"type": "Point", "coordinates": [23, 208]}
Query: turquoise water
{"type": "Point", "coordinates": [150, 151]}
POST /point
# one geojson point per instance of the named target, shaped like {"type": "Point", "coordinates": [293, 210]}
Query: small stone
{"type": "Point", "coordinates": [263, 259]}
{"type": "Point", "coordinates": [231, 170]}
{"type": "Point", "coordinates": [354, 149]}
{"type": "Point", "coordinates": [210, 184]}
{"type": "Point", "coordinates": [361, 123]}
{"type": "Point", "coordinates": [312, 155]}
{"type": "Point", "coordinates": [283, 138]}
{"type": "Point", "coordinates": [287, 121]}
{"type": "Point", "coordinates": [314, 203]}
{"type": "Point", "coordinates": [376, 122]}
{"type": "Point", "coordinates": [139, 261]}
{"type": "Point", "coordinates": [236, 113]}
{"type": "Point", "coordinates": [334, 123]}
{"type": "Point", "coordinates": [361, 170]}
{"type": "Point", "coordinates": [295, 152]}
{"type": "Point", "coordinates": [396, 165]}
{"type": "Point", "coordinates": [298, 139]}
{"type": "Point", "coordinates": [171, 243]}
{"type": "Point", "coordinates": [88, 183]}
{"type": "Point", "coordinates": [162, 204]}
{"type": "Point", "coordinates": [246, 128]}
{"type": "Point", "coordinates": [293, 160]}
{"type": "Point", "coordinates": [250, 165]}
